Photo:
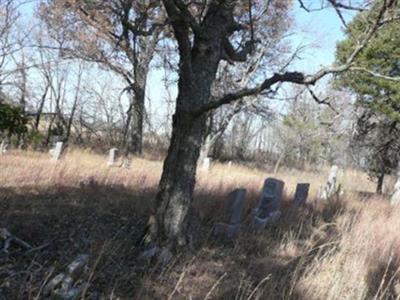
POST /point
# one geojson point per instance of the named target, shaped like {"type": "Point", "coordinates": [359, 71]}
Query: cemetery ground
{"type": "Point", "coordinates": [348, 248]}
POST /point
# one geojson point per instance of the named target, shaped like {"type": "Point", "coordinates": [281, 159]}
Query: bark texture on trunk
{"type": "Point", "coordinates": [178, 179]}
{"type": "Point", "coordinates": [137, 117]}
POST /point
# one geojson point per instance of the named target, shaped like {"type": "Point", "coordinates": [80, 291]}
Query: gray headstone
{"type": "Point", "coordinates": [234, 206]}
{"type": "Point", "coordinates": [301, 194]}
{"type": "Point", "coordinates": [271, 197]}
{"type": "Point", "coordinates": [331, 187]}
{"type": "Point", "coordinates": [112, 157]}
{"type": "Point", "coordinates": [268, 207]}
{"type": "Point", "coordinates": [232, 214]}
{"type": "Point", "coordinates": [56, 153]}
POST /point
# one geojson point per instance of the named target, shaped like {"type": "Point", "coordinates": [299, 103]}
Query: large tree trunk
{"type": "Point", "coordinates": [198, 66]}
{"type": "Point", "coordinates": [175, 193]}
{"type": "Point", "coordinates": [178, 179]}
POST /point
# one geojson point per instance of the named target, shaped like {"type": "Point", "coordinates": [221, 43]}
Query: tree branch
{"type": "Point", "coordinates": [238, 56]}
{"type": "Point", "coordinates": [319, 101]}
{"type": "Point", "coordinates": [299, 77]}
{"type": "Point", "coordinates": [187, 15]}
{"type": "Point", "coordinates": [381, 76]}
{"type": "Point", "coordinates": [181, 29]}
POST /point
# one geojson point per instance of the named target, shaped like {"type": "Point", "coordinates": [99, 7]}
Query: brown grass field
{"type": "Point", "coordinates": [346, 249]}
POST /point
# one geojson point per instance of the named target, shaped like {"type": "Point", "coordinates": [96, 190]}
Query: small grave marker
{"type": "Point", "coordinates": [56, 152]}
{"type": "Point", "coordinates": [331, 187]}
{"type": "Point", "coordinates": [206, 165]}
{"type": "Point", "coordinates": [301, 194]}
{"type": "Point", "coordinates": [234, 204]}
{"type": "Point", "coordinates": [127, 163]}
{"type": "Point", "coordinates": [112, 157]}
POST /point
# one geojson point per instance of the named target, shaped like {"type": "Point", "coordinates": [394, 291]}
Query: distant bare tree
{"type": "Point", "coordinates": [119, 35]}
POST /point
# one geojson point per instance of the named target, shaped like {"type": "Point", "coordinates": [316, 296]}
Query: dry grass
{"type": "Point", "coordinates": [343, 250]}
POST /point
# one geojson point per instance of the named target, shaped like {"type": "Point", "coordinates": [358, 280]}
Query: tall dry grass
{"type": "Point", "coordinates": [347, 249]}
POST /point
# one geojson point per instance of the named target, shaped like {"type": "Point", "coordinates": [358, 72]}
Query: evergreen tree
{"type": "Point", "coordinates": [377, 99]}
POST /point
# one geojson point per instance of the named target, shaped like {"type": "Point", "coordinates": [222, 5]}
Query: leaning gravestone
{"type": "Point", "coordinates": [268, 207]}
{"type": "Point", "coordinates": [331, 187]}
{"type": "Point", "coordinates": [230, 226]}
{"type": "Point", "coordinates": [112, 157]}
{"type": "Point", "coordinates": [301, 194]}
{"type": "Point", "coordinates": [56, 152]}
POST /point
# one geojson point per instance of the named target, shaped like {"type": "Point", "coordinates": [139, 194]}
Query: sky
{"type": "Point", "coordinates": [320, 30]}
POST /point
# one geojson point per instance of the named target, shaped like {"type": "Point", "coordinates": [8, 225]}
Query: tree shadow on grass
{"type": "Point", "coordinates": [107, 222]}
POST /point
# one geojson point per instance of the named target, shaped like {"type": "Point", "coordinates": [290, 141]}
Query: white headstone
{"type": "Point", "coordinates": [331, 187]}
{"type": "Point", "coordinates": [3, 147]}
{"type": "Point", "coordinates": [268, 207]}
{"type": "Point", "coordinates": [112, 157]}
{"type": "Point", "coordinates": [206, 164]}
{"type": "Point", "coordinates": [232, 214]}
{"type": "Point", "coordinates": [301, 194]}
{"type": "Point", "coordinates": [395, 198]}
{"type": "Point", "coordinates": [56, 152]}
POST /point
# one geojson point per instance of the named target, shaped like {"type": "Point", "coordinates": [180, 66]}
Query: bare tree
{"type": "Point", "coordinates": [119, 35]}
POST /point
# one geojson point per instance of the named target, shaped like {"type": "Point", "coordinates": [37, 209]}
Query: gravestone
{"type": "Point", "coordinates": [331, 187]}
{"type": "Point", "coordinates": [127, 163]}
{"type": "Point", "coordinates": [56, 152]}
{"type": "Point", "coordinates": [206, 165]}
{"type": "Point", "coordinates": [3, 147]}
{"type": "Point", "coordinates": [268, 206]}
{"type": "Point", "coordinates": [112, 157]}
{"type": "Point", "coordinates": [230, 225]}
{"type": "Point", "coordinates": [395, 198]}
{"type": "Point", "coordinates": [301, 194]}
